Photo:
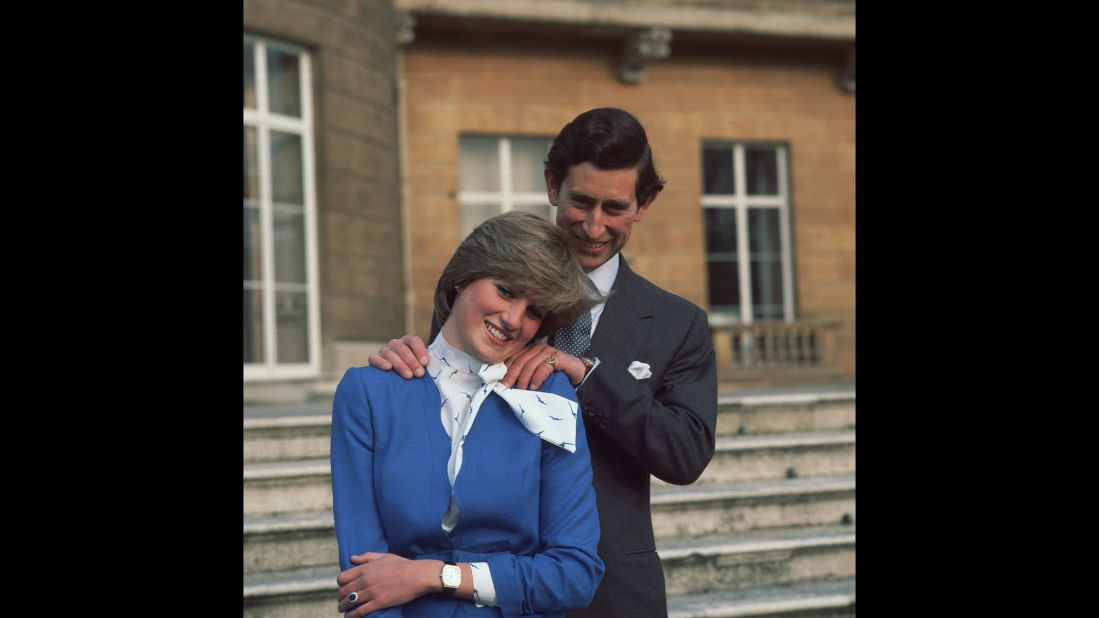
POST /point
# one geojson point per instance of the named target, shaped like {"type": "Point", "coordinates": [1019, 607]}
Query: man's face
{"type": "Point", "coordinates": [596, 209]}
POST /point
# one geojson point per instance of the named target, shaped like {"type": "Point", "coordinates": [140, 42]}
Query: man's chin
{"type": "Point", "coordinates": [590, 263]}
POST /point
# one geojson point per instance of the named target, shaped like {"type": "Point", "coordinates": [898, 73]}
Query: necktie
{"type": "Point", "coordinates": [574, 338]}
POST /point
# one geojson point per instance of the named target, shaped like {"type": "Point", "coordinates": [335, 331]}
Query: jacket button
{"type": "Point", "coordinates": [603, 424]}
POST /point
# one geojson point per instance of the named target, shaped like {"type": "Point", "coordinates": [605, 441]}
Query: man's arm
{"type": "Point", "coordinates": [407, 355]}
{"type": "Point", "coordinates": [669, 432]}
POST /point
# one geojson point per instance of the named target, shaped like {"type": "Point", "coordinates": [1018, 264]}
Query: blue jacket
{"type": "Point", "coordinates": [527, 507]}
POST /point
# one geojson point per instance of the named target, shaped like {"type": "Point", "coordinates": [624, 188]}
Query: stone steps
{"type": "Point", "coordinates": [739, 414]}
{"type": "Point", "coordinates": [831, 598]}
{"type": "Point", "coordinates": [757, 559]}
{"type": "Point", "coordinates": [692, 570]}
{"type": "Point", "coordinates": [727, 508]}
{"type": "Point", "coordinates": [281, 541]}
{"type": "Point", "coordinates": [289, 540]}
{"type": "Point", "coordinates": [282, 433]}
{"type": "Point", "coordinates": [751, 538]}
{"type": "Point", "coordinates": [305, 485]}
{"type": "Point", "coordinates": [296, 593]}
{"type": "Point", "coordinates": [749, 458]}
{"type": "Point", "coordinates": [286, 439]}
{"type": "Point", "coordinates": [287, 486]}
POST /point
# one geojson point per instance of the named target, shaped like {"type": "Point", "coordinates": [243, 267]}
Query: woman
{"type": "Point", "coordinates": [456, 495]}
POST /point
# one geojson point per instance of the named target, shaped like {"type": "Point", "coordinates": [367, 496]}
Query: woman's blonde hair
{"type": "Point", "coordinates": [528, 254]}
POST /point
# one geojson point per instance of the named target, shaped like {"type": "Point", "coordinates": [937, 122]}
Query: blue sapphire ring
{"type": "Point", "coordinates": [353, 598]}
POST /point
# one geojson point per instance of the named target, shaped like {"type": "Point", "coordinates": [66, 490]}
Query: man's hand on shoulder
{"type": "Point", "coordinates": [528, 369]}
{"type": "Point", "coordinates": [407, 356]}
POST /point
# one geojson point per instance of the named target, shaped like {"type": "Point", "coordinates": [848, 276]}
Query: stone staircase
{"type": "Point", "coordinates": [768, 530]}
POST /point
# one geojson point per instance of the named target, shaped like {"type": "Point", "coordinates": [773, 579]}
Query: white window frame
{"type": "Point", "coordinates": [505, 198]}
{"type": "Point", "coordinates": [741, 202]}
{"type": "Point", "coordinates": [263, 121]}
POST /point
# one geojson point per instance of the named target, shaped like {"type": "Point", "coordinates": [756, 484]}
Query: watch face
{"type": "Point", "coordinates": [452, 576]}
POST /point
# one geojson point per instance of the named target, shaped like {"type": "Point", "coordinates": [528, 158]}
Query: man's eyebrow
{"type": "Point", "coordinates": [587, 199]}
{"type": "Point", "coordinates": [621, 204]}
{"type": "Point", "coordinates": [581, 197]}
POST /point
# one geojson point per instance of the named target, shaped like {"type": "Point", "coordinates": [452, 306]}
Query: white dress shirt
{"type": "Point", "coordinates": [457, 379]}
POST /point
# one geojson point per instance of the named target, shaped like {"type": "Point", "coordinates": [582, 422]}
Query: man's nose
{"type": "Point", "coordinates": [594, 223]}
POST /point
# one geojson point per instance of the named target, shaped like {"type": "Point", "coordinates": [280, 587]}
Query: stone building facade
{"type": "Point", "coordinates": [431, 115]}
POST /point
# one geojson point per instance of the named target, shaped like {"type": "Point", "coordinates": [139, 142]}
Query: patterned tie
{"type": "Point", "coordinates": [574, 338]}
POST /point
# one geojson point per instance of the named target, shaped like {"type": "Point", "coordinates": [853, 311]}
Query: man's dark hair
{"type": "Point", "coordinates": [610, 139]}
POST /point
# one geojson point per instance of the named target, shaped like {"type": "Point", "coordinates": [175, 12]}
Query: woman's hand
{"type": "Point", "coordinates": [385, 580]}
{"type": "Point", "coordinates": [528, 369]}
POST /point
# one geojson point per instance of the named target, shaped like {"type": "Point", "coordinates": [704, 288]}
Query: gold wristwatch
{"type": "Point", "coordinates": [588, 365]}
{"type": "Point", "coordinates": [451, 577]}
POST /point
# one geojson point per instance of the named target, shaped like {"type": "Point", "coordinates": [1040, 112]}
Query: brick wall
{"type": "Point", "coordinates": [533, 87]}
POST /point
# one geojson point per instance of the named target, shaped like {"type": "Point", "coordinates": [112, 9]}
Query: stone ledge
{"type": "Point", "coordinates": [298, 581]}
{"type": "Point", "coordinates": [672, 495]}
{"type": "Point", "coordinates": [783, 440]}
{"type": "Point", "coordinates": [836, 21]}
{"type": "Point", "coordinates": [785, 540]}
{"type": "Point", "coordinates": [283, 470]}
{"type": "Point", "coordinates": [801, 597]}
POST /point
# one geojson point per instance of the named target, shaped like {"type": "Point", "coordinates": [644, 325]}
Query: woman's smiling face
{"type": "Point", "coordinates": [490, 321]}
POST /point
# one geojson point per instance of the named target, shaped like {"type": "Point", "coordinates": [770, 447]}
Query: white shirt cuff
{"type": "Point", "coordinates": [484, 593]}
{"type": "Point", "coordinates": [588, 374]}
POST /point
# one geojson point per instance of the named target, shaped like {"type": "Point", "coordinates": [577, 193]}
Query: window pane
{"type": "Point", "coordinates": [717, 171]}
{"type": "Point", "coordinates": [542, 210]}
{"type": "Point", "coordinates": [474, 214]}
{"type": "Point", "coordinates": [252, 244]}
{"type": "Point", "coordinates": [290, 310]}
{"type": "Point", "coordinates": [762, 171]}
{"type": "Point", "coordinates": [767, 290]}
{"type": "Point", "coordinates": [251, 171]}
{"type": "Point", "coordinates": [527, 156]}
{"type": "Point", "coordinates": [289, 237]}
{"type": "Point", "coordinates": [766, 263]}
{"type": "Point", "coordinates": [286, 168]}
{"type": "Point", "coordinates": [480, 163]}
{"type": "Point", "coordinates": [720, 229]}
{"type": "Point", "coordinates": [283, 83]}
{"type": "Point", "coordinates": [253, 326]}
{"type": "Point", "coordinates": [724, 282]}
{"type": "Point", "coordinates": [249, 75]}
{"type": "Point", "coordinates": [763, 234]}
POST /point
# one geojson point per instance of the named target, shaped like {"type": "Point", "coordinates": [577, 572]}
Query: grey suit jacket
{"type": "Point", "coordinates": [663, 425]}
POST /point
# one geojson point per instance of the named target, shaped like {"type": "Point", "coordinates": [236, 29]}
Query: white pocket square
{"type": "Point", "coordinates": [640, 370]}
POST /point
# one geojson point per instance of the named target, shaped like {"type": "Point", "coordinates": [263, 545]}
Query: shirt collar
{"type": "Point", "coordinates": [444, 354]}
{"type": "Point", "coordinates": [604, 276]}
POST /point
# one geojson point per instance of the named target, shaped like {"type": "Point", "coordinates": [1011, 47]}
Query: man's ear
{"type": "Point", "coordinates": [551, 191]}
{"type": "Point", "coordinates": [642, 209]}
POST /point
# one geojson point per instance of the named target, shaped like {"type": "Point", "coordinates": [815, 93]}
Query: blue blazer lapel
{"type": "Point", "coordinates": [428, 403]}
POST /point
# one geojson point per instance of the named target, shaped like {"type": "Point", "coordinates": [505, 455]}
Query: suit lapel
{"type": "Point", "coordinates": [621, 327]}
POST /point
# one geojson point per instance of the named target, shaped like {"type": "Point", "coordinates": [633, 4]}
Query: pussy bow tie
{"type": "Point", "coordinates": [546, 415]}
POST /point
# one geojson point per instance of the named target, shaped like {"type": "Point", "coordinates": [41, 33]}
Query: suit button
{"type": "Point", "coordinates": [603, 424]}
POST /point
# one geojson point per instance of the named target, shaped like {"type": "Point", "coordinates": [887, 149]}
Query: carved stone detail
{"type": "Point", "coordinates": [405, 23]}
{"type": "Point", "coordinates": [650, 44]}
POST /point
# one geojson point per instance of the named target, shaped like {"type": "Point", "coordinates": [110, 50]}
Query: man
{"type": "Point", "coordinates": [647, 383]}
